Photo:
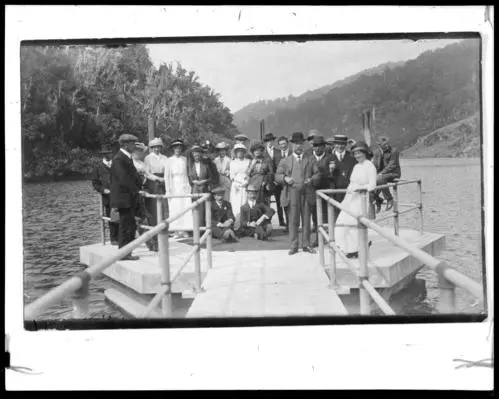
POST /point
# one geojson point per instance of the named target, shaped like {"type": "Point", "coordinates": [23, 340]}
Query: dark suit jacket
{"type": "Point", "coordinates": [343, 169]}
{"type": "Point", "coordinates": [125, 182]}
{"type": "Point", "coordinates": [101, 180]}
{"type": "Point", "coordinates": [252, 215]}
{"type": "Point", "coordinates": [387, 162]}
{"type": "Point", "coordinates": [276, 154]}
{"type": "Point", "coordinates": [221, 214]}
{"type": "Point", "coordinates": [206, 173]}
{"type": "Point", "coordinates": [285, 168]}
{"type": "Point", "coordinates": [214, 175]}
{"type": "Point", "coordinates": [278, 157]}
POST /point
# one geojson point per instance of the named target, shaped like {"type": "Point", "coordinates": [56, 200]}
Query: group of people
{"type": "Point", "coordinates": [242, 181]}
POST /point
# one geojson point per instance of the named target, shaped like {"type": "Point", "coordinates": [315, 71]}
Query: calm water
{"type": "Point", "coordinates": [60, 217]}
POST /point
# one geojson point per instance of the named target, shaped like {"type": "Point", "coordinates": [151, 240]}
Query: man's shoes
{"type": "Point", "coordinates": [282, 224]}
{"type": "Point", "coordinates": [389, 205]}
{"type": "Point", "coordinates": [130, 257]}
{"type": "Point", "coordinates": [309, 250]}
{"type": "Point", "coordinates": [114, 242]}
{"type": "Point", "coordinates": [292, 251]}
{"type": "Point", "coordinates": [353, 255]}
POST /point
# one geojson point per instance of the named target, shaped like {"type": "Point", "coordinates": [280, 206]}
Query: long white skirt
{"type": "Point", "coordinates": [347, 238]}
{"type": "Point", "coordinates": [238, 198]}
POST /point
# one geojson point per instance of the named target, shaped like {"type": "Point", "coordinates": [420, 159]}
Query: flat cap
{"type": "Point", "coordinates": [125, 138]}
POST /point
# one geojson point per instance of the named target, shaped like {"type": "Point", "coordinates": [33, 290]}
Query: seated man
{"type": "Point", "coordinates": [386, 160]}
{"type": "Point", "coordinates": [255, 217]}
{"type": "Point", "coordinates": [222, 218]}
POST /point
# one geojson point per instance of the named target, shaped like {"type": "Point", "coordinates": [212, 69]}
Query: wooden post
{"type": "Point", "coordinates": [363, 249]}
{"type": "Point", "coordinates": [320, 238]}
{"type": "Point", "coordinates": [420, 206]}
{"type": "Point", "coordinates": [447, 294]}
{"type": "Point", "coordinates": [196, 237]}
{"type": "Point", "coordinates": [395, 209]}
{"type": "Point", "coordinates": [164, 261]}
{"type": "Point", "coordinates": [102, 222]}
{"type": "Point", "coordinates": [330, 222]}
{"type": "Point", "coordinates": [208, 229]}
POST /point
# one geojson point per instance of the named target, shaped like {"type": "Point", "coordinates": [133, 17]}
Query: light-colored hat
{"type": "Point", "coordinates": [312, 133]}
{"type": "Point", "coordinates": [239, 146]}
{"type": "Point", "coordinates": [156, 142]}
{"type": "Point", "coordinates": [241, 137]}
{"type": "Point", "coordinates": [222, 145]}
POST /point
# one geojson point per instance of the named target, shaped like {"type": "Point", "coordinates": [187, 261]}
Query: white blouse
{"type": "Point", "coordinates": [155, 162]}
{"type": "Point", "coordinates": [363, 176]}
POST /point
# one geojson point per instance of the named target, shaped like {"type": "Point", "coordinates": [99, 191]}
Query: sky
{"type": "Point", "coordinates": [247, 72]}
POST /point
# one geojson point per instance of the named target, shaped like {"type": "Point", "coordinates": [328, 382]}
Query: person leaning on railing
{"type": "Point", "coordinates": [126, 183]}
{"type": "Point", "coordinates": [101, 182]}
{"type": "Point", "coordinates": [386, 161]}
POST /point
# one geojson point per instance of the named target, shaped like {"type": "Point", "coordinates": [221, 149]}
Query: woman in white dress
{"type": "Point", "coordinates": [177, 183]}
{"type": "Point", "coordinates": [239, 168]}
{"type": "Point", "coordinates": [363, 177]}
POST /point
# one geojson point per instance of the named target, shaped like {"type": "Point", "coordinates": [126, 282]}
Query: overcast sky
{"type": "Point", "coordinates": [246, 72]}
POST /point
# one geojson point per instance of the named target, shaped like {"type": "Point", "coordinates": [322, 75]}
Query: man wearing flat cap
{"type": "Point", "coordinates": [341, 166]}
{"type": "Point", "coordinates": [296, 173]}
{"type": "Point", "coordinates": [101, 181]}
{"type": "Point", "coordinates": [125, 186]}
{"type": "Point", "coordinates": [222, 217]}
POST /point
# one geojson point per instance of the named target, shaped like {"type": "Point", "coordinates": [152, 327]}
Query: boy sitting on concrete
{"type": "Point", "coordinates": [255, 217]}
{"type": "Point", "coordinates": [222, 217]}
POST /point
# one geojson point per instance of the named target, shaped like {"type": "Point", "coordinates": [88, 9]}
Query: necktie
{"type": "Point", "coordinates": [283, 154]}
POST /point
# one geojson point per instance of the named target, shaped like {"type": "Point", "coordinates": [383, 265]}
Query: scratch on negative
{"type": "Point", "coordinates": [239, 17]}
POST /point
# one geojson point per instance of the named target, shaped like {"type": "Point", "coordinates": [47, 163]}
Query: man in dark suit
{"type": "Point", "coordinates": [125, 186]}
{"type": "Point", "coordinates": [222, 217]}
{"type": "Point", "coordinates": [341, 166]}
{"type": "Point", "coordinates": [255, 217]}
{"type": "Point", "coordinates": [101, 181]}
{"type": "Point", "coordinates": [322, 160]}
{"type": "Point", "coordinates": [295, 173]}
{"type": "Point", "coordinates": [386, 160]}
{"type": "Point", "coordinates": [283, 152]}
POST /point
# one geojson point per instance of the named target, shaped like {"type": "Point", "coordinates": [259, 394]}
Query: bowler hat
{"type": "Point", "coordinates": [156, 142]}
{"type": "Point", "coordinates": [361, 146]}
{"type": "Point", "coordinates": [251, 187]}
{"type": "Point", "coordinates": [177, 142]}
{"type": "Point", "coordinates": [318, 140]}
{"type": "Point", "coordinates": [297, 137]}
{"type": "Point", "coordinates": [340, 139]}
{"type": "Point", "coordinates": [241, 137]}
{"type": "Point", "coordinates": [268, 137]}
{"type": "Point", "coordinates": [126, 138]}
{"type": "Point", "coordinates": [218, 190]}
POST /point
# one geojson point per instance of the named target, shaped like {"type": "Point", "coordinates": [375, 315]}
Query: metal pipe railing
{"type": "Point", "coordinates": [78, 281]}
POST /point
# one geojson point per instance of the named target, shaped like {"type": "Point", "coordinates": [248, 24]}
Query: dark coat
{"type": "Point", "coordinates": [343, 169]}
{"type": "Point", "coordinates": [326, 178]}
{"type": "Point", "coordinates": [387, 162]}
{"type": "Point", "coordinates": [125, 182]}
{"type": "Point", "coordinates": [253, 214]}
{"type": "Point", "coordinates": [221, 214]}
{"type": "Point", "coordinates": [273, 160]}
{"type": "Point", "coordinates": [101, 180]}
{"type": "Point", "coordinates": [285, 168]}
{"type": "Point", "coordinates": [279, 157]}
{"type": "Point", "coordinates": [214, 175]}
{"type": "Point", "coordinates": [261, 175]}
{"type": "Point", "coordinates": [206, 173]}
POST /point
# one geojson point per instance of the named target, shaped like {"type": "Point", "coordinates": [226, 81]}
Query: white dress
{"type": "Point", "coordinates": [177, 183]}
{"type": "Point", "coordinates": [363, 177]}
{"type": "Point", "coordinates": [239, 177]}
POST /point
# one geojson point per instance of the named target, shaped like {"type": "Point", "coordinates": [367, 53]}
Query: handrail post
{"type": "Point", "coordinates": [208, 230]}
{"type": "Point", "coordinates": [420, 206]}
{"type": "Point", "coordinates": [363, 248]}
{"type": "Point", "coordinates": [447, 292]}
{"type": "Point", "coordinates": [396, 209]}
{"type": "Point", "coordinates": [196, 237]}
{"type": "Point", "coordinates": [164, 261]}
{"type": "Point", "coordinates": [320, 238]}
{"type": "Point", "coordinates": [330, 221]}
{"type": "Point", "coordinates": [102, 223]}
{"type": "Point", "coordinates": [81, 305]}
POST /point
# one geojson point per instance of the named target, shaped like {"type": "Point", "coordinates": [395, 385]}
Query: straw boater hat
{"type": "Point", "coordinates": [177, 143]}
{"type": "Point", "coordinates": [268, 137]}
{"type": "Point", "coordinates": [218, 190]}
{"type": "Point", "coordinates": [239, 146]}
{"type": "Point", "coordinates": [241, 137]}
{"type": "Point", "coordinates": [222, 146]}
{"type": "Point", "coordinates": [340, 139]}
{"type": "Point", "coordinates": [251, 187]}
{"type": "Point", "coordinates": [126, 138]}
{"type": "Point", "coordinates": [297, 137]}
{"type": "Point", "coordinates": [156, 142]}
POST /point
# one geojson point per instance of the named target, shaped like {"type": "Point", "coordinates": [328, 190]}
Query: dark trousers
{"type": "Point", "coordinates": [298, 208]}
{"type": "Point", "coordinates": [280, 211]}
{"type": "Point", "coordinates": [261, 230]}
{"type": "Point", "coordinates": [218, 232]}
{"type": "Point", "coordinates": [113, 227]}
{"type": "Point", "coordinates": [380, 180]}
{"type": "Point", "coordinates": [127, 227]}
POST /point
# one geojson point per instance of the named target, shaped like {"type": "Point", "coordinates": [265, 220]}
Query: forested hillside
{"type": "Point", "coordinates": [75, 99]}
{"type": "Point", "coordinates": [436, 89]}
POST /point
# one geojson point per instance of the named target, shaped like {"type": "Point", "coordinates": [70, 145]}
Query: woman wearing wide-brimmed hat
{"type": "Point", "coordinates": [239, 177]}
{"type": "Point", "coordinates": [363, 177]}
{"type": "Point", "coordinates": [222, 162]}
{"type": "Point", "coordinates": [177, 183]}
{"type": "Point", "coordinates": [261, 173]}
